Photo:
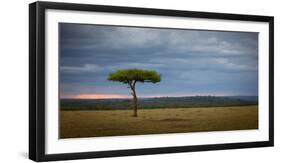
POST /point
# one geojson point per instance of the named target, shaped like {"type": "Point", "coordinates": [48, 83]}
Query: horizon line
{"type": "Point", "coordinates": [75, 98]}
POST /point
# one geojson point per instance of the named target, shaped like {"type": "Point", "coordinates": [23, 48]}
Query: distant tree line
{"type": "Point", "coordinates": [155, 103]}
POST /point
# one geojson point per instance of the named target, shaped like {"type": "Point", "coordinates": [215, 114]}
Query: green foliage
{"type": "Point", "coordinates": [129, 75]}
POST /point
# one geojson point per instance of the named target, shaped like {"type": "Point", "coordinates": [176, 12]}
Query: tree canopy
{"type": "Point", "coordinates": [129, 75]}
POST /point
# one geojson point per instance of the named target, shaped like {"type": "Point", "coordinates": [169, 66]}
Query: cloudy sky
{"type": "Point", "coordinates": [191, 62]}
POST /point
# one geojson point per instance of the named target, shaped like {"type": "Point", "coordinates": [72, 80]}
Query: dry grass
{"type": "Point", "coordinates": [76, 124]}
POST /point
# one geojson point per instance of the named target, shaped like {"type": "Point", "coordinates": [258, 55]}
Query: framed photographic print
{"type": "Point", "coordinates": [110, 81]}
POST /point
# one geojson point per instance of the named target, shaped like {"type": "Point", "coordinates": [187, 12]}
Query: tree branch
{"type": "Point", "coordinates": [134, 83]}
{"type": "Point", "coordinates": [130, 84]}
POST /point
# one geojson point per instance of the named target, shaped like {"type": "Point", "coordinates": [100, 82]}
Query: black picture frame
{"type": "Point", "coordinates": [37, 80]}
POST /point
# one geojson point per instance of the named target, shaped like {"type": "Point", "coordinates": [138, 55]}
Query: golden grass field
{"type": "Point", "coordinates": [77, 124]}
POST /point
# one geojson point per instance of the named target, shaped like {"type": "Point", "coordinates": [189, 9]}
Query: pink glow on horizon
{"type": "Point", "coordinates": [99, 96]}
{"type": "Point", "coordinates": [111, 96]}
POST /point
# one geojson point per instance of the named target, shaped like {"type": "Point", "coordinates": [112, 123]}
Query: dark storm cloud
{"type": "Point", "coordinates": [190, 61]}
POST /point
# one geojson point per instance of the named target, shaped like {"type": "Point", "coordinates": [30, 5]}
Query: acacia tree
{"type": "Point", "coordinates": [131, 77]}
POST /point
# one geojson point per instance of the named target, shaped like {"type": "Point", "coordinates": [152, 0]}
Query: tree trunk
{"type": "Point", "coordinates": [135, 104]}
{"type": "Point", "coordinates": [135, 99]}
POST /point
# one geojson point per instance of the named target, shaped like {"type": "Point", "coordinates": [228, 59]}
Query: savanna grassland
{"type": "Point", "coordinates": [96, 123]}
